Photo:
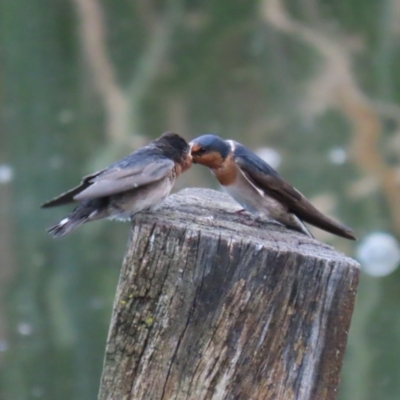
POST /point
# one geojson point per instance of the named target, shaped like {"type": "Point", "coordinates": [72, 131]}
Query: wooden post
{"type": "Point", "coordinates": [210, 305]}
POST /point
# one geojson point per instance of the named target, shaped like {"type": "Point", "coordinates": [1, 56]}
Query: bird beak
{"type": "Point", "coordinates": [193, 148]}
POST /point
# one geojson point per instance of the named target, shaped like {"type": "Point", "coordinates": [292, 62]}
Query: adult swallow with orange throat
{"type": "Point", "coordinates": [138, 182]}
{"type": "Point", "coordinates": [258, 188]}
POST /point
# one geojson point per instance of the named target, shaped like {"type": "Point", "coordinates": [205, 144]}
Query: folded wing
{"type": "Point", "coordinates": [139, 172]}
{"type": "Point", "coordinates": [264, 177]}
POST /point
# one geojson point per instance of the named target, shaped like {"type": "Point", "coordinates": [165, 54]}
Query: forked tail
{"type": "Point", "coordinates": [65, 226]}
{"type": "Point", "coordinates": [86, 211]}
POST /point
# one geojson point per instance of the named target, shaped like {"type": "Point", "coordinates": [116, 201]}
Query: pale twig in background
{"type": "Point", "coordinates": [92, 32]}
{"type": "Point", "coordinates": [150, 63]}
{"type": "Point", "coordinates": [337, 87]}
{"type": "Point", "coordinates": [123, 107]}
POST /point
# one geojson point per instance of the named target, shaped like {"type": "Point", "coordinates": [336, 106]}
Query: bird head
{"type": "Point", "coordinates": [209, 150]}
{"type": "Point", "coordinates": [176, 148]}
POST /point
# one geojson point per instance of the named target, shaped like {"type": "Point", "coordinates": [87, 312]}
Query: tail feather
{"type": "Point", "coordinates": [88, 210]}
{"type": "Point", "coordinates": [327, 224]}
{"type": "Point", "coordinates": [84, 212]}
{"type": "Point", "coordinates": [65, 226]}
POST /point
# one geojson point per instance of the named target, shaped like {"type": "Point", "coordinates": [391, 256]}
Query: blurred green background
{"type": "Point", "coordinates": [312, 85]}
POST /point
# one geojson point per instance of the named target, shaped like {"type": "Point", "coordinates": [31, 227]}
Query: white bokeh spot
{"type": "Point", "coordinates": [378, 254]}
{"type": "Point", "coordinates": [337, 155]}
{"type": "Point", "coordinates": [270, 156]}
{"type": "Point", "coordinates": [6, 174]}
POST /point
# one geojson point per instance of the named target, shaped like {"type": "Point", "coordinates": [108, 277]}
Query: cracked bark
{"type": "Point", "coordinates": [212, 306]}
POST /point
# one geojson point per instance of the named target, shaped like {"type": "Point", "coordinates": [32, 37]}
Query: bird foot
{"type": "Point", "coordinates": [240, 212]}
{"type": "Point", "coordinates": [244, 217]}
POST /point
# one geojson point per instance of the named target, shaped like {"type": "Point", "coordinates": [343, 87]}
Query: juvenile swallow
{"type": "Point", "coordinates": [138, 182]}
{"type": "Point", "coordinates": [258, 188]}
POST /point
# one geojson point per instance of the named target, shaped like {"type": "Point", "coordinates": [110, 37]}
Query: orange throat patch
{"type": "Point", "coordinates": [211, 160]}
{"type": "Point", "coordinates": [226, 173]}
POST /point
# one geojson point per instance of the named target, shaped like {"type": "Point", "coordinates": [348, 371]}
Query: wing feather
{"type": "Point", "coordinates": [267, 179]}
{"type": "Point", "coordinates": [68, 196]}
{"type": "Point", "coordinates": [120, 180]}
{"type": "Point", "coordinates": [138, 169]}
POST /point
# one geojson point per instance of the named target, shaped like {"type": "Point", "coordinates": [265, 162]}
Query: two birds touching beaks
{"type": "Point", "coordinates": [143, 179]}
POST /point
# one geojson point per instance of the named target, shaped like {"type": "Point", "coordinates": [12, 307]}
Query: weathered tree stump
{"type": "Point", "coordinates": [210, 305]}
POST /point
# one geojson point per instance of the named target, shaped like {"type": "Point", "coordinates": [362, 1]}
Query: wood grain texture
{"type": "Point", "coordinates": [211, 305]}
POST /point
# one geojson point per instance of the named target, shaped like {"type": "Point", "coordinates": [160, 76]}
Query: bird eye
{"type": "Point", "coordinates": [200, 151]}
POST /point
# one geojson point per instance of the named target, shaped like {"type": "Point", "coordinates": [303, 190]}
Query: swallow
{"type": "Point", "coordinates": [258, 188]}
{"type": "Point", "coordinates": [138, 182]}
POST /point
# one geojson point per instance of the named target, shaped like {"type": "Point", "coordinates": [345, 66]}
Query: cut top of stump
{"type": "Point", "coordinates": [212, 213]}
